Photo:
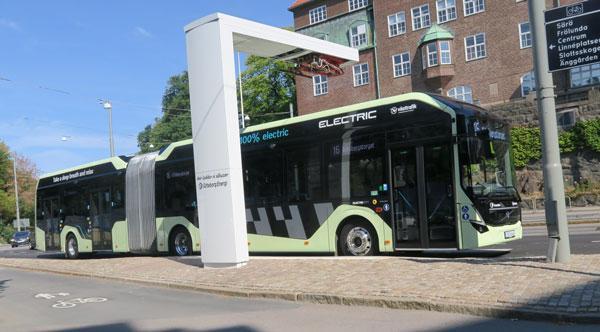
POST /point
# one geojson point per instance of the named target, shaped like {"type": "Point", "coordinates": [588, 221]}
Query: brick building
{"type": "Point", "coordinates": [475, 50]}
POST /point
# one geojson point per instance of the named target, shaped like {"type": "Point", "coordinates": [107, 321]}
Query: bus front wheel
{"type": "Point", "coordinates": [357, 239]}
{"type": "Point", "coordinates": [72, 251]}
{"type": "Point", "coordinates": [180, 242]}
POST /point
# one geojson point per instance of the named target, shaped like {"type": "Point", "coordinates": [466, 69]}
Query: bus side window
{"type": "Point", "coordinates": [303, 172]}
{"type": "Point", "coordinates": [263, 177]}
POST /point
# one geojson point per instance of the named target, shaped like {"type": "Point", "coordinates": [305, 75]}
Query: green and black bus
{"type": "Point", "coordinates": [414, 171]}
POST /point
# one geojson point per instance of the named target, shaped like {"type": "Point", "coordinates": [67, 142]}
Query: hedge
{"type": "Point", "coordinates": [527, 145]}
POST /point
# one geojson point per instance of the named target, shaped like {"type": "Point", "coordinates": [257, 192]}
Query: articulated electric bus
{"type": "Point", "coordinates": [415, 171]}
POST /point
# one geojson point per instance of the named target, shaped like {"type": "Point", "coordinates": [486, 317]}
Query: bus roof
{"type": "Point", "coordinates": [442, 102]}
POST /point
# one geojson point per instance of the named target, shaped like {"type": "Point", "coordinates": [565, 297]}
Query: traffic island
{"type": "Point", "coordinates": [524, 288]}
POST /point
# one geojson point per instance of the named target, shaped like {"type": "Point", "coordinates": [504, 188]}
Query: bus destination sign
{"type": "Point", "coordinates": [573, 34]}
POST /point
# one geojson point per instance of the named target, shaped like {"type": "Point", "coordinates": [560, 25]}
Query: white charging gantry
{"type": "Point", "coordinates": [211, 42]}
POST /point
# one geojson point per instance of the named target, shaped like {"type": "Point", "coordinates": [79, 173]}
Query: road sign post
{"type": "Point", "coordinates": [573, 34]}
{"type": "Point", "coordinates": [554, 191]}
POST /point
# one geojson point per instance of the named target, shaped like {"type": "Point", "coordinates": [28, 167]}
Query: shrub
{"type": "Point", "coordinates": [526, 145]}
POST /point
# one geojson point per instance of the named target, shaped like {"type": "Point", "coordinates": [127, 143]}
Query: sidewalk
{"type": "Point", "coordinates": [524, 288]}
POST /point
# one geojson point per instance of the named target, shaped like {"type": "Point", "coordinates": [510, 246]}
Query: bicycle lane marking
{"type": "Point", "coordinates": [70, 303]}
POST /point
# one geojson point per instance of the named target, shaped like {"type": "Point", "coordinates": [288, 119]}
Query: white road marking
{"type": "Point", "coordinates": [48, 296]}
{"type": "Point", "coordinates": [73, 302]}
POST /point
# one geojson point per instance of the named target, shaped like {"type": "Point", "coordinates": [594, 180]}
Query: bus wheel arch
{"type": "Point", "coordinates": [71, 246]}
{"type": "Point", "coordinates": [360, 232]}
{"type": "Point", "coordinates": [180, 241]}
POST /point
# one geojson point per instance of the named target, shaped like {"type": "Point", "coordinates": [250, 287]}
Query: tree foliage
{"type": "Point", "coordinates": [268, 89]}
{"type": "Point", "coordinates": [526, 141]}
{"type": "Point", "coordinates": [175, 123]}
{"type": "Point", "coordinates": [27, 179]}
{"type": "Point", "coordinates": [526, 145]}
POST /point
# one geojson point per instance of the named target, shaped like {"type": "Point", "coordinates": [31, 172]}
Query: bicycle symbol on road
{"type": "Point", "coordinates": [66, 304]}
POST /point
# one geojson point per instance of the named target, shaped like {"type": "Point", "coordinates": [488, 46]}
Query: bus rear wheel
{"type": "Point", "coordinates": [180, 242]}
{"type": "Point", "coordinates": [357, 239]}
{"type": "Point", "coordinates": [72, 251]}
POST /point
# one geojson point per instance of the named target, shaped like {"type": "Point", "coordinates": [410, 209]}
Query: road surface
{"type": "Point", "coordinates": [36, 301]}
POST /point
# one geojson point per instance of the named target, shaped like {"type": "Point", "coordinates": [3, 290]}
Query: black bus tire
{"type": "Point", "coordinates": [72, 247]}
{"type": "Point", "coordinates": [180, 242]}
{"type": "Point", "coordinates": [357, 239]}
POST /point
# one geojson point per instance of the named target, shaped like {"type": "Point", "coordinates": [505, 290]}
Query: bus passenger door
{"type": "Point", "coordinates": [422, 196]}
{"type": "Point", "coordinates": [100, 217]}
{"type": "Point", "coordinates": [51, 212]}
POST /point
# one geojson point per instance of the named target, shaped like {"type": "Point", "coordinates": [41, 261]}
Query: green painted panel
{"type": "Point", "coordinates": [470, 238]}
{"type": "Point", "coordinates": [40, 239]}
{"type": "Point", "coordinates": [120, 236]}
{"type": "Point", "coordinates": [164, 227]}
{"type": "Point", "coordinates": [436, 32]}
{"type": "Point", "coordinates": [337, 30]}
{"type": "Point", "coordinates": [324, 239]}
{"type": "Point", "coordinates": [85, 245]}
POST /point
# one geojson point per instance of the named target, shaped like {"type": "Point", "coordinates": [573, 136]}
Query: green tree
{"type": "Point", "coordinates": [268, 89]}
{"type": "Point", "coordinates": [27, 179]}
{"type": "Point", "coordinates": [175, 123]}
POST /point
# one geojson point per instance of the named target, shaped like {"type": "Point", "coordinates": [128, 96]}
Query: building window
{"type": "Point", "coordinates": [421, 17]}
{"type": "Point", "coordinates": [357, 4]}
{"type": "Point", "coordinates": [446, 10]}
{"type": "Point", "coordinates": [566, 119]}
{"type": "Point", "coordinates": [527, 83]}
{"type": "Point", "coordinates": [430, 55]}
{"type": "Point", "coordinates": [525, 35]}
{"type": "Point", "coordinates": [463, 93]}
{"type": "Point", "coordinates": [320, 86]}
{"type": "Point", "coordinates": [397, 24]}
{"type": "Point", "coordinates": [585, 75]}
{"type": "Point", "coordinates": [474, 6]}
{"type": "Point", "coordinates": [401, 64]}
{"type": "Point", "coordinates": [358, 35]}
{"type": "Point", "coordinates": [318, 14]}
{"type": "Point", "coordinates": [361, 74]}
{"type": "Point", "coordinates": [475, 46]}
{"type": "Point", "coordinates": [435, 53]}
{"type": "Point", "coordinates": [445, 54]}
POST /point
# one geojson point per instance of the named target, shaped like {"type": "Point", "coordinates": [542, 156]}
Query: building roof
{"type": "Point", "coordinates": [298, 3]}
{"type": "Point", "coordinates": [436, 32]}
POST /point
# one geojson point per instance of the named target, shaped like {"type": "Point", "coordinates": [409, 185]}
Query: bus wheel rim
{"type": "Point", "coordinates": [181, 246]}
{"type": "Point", "coordinates": [358, 241]}
{"type": "Point", "coordinates": [71, 247]}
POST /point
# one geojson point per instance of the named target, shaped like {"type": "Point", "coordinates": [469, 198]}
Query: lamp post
{"type": "Point", "coordinates": [16, 192]}
{"type": "Point", "coordinates": [108, 106]}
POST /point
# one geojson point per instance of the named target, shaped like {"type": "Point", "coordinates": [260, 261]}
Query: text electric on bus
{"type": "Point", "coordinates": [414, 171]}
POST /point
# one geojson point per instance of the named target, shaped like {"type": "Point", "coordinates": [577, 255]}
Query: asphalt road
{"type": "Point", "coordinates": [32, 301]}
{"type": "Point", "coordinates": [585, 240]}
{"type": "Point", "coordinates": [573, 214]}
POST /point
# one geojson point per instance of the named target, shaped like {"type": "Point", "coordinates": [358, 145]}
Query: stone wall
{"type": "Point", "coordinates": [585, 103]}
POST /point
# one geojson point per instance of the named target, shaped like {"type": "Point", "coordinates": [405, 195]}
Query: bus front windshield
{"type": "Point", "coordinates": [486, 167]}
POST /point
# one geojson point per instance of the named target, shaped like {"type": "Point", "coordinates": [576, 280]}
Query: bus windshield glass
{"type": "Point", "coordinates": [486, 167]}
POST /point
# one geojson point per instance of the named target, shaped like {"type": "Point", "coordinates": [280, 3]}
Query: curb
{"type": "Point", "coordinates": [579, 222]}
{"type": "Point", "coordinates": [485, 310]}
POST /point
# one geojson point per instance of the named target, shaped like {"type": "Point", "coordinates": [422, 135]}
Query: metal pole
{"type": "Point", "coordinates": [554, 190]}
{"type": "Point", "coordinates": [291, 110]}
{"type": "Point", "coordinates": [239, 65]}
{"type": "Point", "coordinates": [17, 192]}
{"type": "Point", "coordinates": [110, 132]}
{"type": "Point", "coordinates": [108, 107]}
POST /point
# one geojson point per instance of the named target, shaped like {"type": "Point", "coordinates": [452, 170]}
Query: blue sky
{"type": "Point", "coordinates": [57, 58]}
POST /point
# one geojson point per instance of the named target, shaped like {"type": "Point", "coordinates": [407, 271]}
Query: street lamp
{"type": "Point", "coordinates": [108, 106]}
{"type": "Point", "coordinates": [16, 192]}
